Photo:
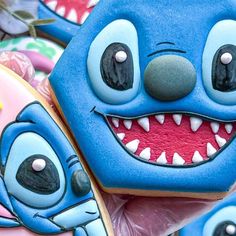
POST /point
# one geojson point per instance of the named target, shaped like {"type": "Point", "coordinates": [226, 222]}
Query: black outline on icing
{"type": "Point", "coordinates": [105, 117]}
{"type": "Point", "coordinates": [166, 50]}
{"type": "Point", "coordinates": [81, 225]}
{"type": "Point", "coordinates": [73, 163]}
{"type": "Point", "coordinates": [10, 196]}
{"type": "Point", "coordinates": [167, 42]}
{"type": "Point", "coordinates": [71, 158]}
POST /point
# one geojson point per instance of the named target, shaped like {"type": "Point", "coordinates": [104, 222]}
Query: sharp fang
{"type": "Point", "coordinates": [146, 154]}
{"type": "Point", "coordinates": [162, 159]}
{"type": "Point", "coordinates": [195, 123]}
{"type": "Point", "coordinates": [127, 124]}
{"type": "Point", "coordinates": [229, 128]}
{"type": "Point", "coordinates": [177, 119]}
{"type": "Point", "coordinates": [121, 136]}
{"type": "Point", "coordinates": [133, 145]}
{"type": "Point", "coordinates": [210, 150]}
{"type": "Point", "coordinates": [160, 119]}
{"type": "Point", "coordinates": [84, 17]}
{"type": "Point", "coordinates": [72, 16]}
{"type": "Point", "coordinates": [221, 141]}
{"type": "Point", "coordinates": [52, 5]}
{"type": "Point", "coordinates": [197, 157]}
{"type": "Point", "coordinates": [215, 127]}
{"type": "Point", "coordinates": [178, 160]}
{"type": "Point", "coordinates": [92, 3]}
{"type": "Point", "coordinates": [61, 11]}
{"type": "Point", "coordinates": [144, 123]}
{"type": "Point", "coordinates": [116, 122]}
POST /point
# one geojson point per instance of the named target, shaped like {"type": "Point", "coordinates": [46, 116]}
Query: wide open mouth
{"type": "Point", "coordinates": [74, 11]}
{"type": "Point", "coordinates": [172, 139]}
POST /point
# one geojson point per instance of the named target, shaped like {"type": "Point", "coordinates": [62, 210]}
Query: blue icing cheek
{"type": "Point", "coordinates": [32, 145]}
{"type": "Point", "coordinates": [78, 215]}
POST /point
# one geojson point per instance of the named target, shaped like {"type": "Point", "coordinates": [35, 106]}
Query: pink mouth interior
{"type": "Point", "coordinates": [171, 139]}
{"type": "Point", "coordinates": [74, 11]}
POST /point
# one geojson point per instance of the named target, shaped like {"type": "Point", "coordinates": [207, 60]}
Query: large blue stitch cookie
{"type": "Point", "coordinates": [148, 89]}
{"type": "Point", "coordinates": [221, 221]}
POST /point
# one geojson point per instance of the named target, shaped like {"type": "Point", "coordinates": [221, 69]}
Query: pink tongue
{"type": "Point", "coordinates": [171, 138]}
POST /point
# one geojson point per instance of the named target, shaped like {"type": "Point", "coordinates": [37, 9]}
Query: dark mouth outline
{"type": "Point", "coordinates": [204, 118]}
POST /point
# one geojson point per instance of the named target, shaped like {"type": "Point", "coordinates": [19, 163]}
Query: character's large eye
{"type": "Point", "coordinates": [222, 223]}
{"type": "Point", "coordinates": [219, 63]}
{"type": "Point", "coordinates": [225, 228]}
{"type": "Point", "coordinates": [113, 63]}
{"type": "Point", "coordinates": [33, 173]}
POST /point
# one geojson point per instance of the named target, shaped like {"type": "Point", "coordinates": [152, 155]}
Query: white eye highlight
{"type": "Point", "coordinates": [226, 58]}
{"type": "Point", "coordinates": [230, 229]}
{"type": "Point", "coordinates": [121, 56]}
{"type": "Point", "coordinates": [38, 165]}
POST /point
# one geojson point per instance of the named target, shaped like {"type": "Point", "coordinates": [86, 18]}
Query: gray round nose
{"type": "Point", "coordinates": [80, 183]}
{"type": "Point", "coordinates": [169, 77]}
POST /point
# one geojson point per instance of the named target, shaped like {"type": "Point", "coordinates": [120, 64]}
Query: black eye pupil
{"type": "Point", "coordinates": [45, 182]}
{"type": "Point", "coordinates": [224, 69]}
{"type": "Point", "coordinates": [117, 67]}
{"type": "Point", "coordinates": [221, 229]}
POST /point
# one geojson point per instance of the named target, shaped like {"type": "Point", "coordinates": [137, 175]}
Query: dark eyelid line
{"type": "Point", "coordinates": [71, 158]}
{"type": "Point", "coordinates": [73, 163]}
{"type": "Point", "coordinates": [170, 43]}
{"type": "Point", "coordinates": [166, 50]}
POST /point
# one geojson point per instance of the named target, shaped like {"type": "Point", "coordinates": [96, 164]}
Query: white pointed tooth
{"type": "Point", "coordinates": [195, 123]}
{"type": "Point", "coordinates": [210, 150]}
{"type": "Point", "coordinates": [177, 159]}
{"type": "Point", "coordinates": [160, 119]}
{"type": "Point", "coordinates": [116, 122]}
{"type": "Point", "coordinates": [84, 17]}
{"type": "Point", "coordinates": [133, 145]}
{"type": "Point", "coordinates": [52, 5]}
{"type": "Point", "coordinates": [177, 119]}
{"type": "Point", "coordinates": [128, 124]}
{"type": "Point", "coordinates": [72, 16]}
{"type": "Point", "coordinates": [197, 157]}
{"type": "Point", "coordinates": [146, 154]}
{"type": "Point", "coordinates": [61, 11]}
{"type": "Point", "coordinates": [221, 141]}
{"type": "Point", "coordinates": [162, 159]}
{"type": "Point", "coordinates": [92, 3]}
{"type": "Point", "coordinates": [144, 123]}
{"type": "Point", "coordinates": [229, 128]}
{"type": "Point", "coordinates": [215, 127]}
{"type": "Point", "coordinates": [121, 136]}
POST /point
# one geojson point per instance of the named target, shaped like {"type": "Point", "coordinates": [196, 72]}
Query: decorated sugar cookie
{"type": "Point", "coordinates": [151, 98]}
{"type": "Point", "coordinates": [44, 189]}
{"type": "Point", "coordinates": [43, 53]}
{"type": "Point", "coordinates": [221, 221]}
{"type": "Point", "coordinates": [69, 15]}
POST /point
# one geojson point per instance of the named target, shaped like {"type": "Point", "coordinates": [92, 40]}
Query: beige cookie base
{"type": "Point", "coordinates": [104, 213]}
{"type": "Point", "coordinates": [150, 193]}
